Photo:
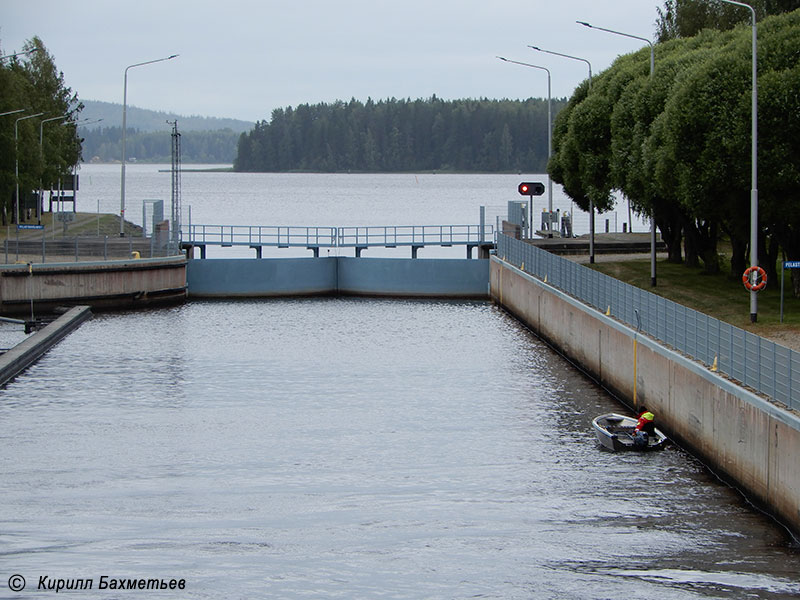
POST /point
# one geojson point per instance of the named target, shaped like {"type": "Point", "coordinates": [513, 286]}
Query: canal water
{"type": "Point", "coordinates": [351, 448]}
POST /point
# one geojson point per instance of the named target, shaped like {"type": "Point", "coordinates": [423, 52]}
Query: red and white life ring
{"type": "Point", "coordinates": [755, 279]}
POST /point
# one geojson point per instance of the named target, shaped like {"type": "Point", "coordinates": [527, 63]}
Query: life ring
{"type": "Point", "coordinates": [755, 283]}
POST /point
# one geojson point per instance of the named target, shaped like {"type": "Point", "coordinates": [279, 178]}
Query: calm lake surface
{"type": "Point", "coordinates": [327, 200]}
{"type": "Point", "coordinates": [351, 448]}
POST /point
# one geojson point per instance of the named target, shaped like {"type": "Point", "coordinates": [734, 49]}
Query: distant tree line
{"type": "Point", "coordinates": [204, 147]}
{"type": "Point", "coordinates": [32, 83]}
{"type": "Point", "coordinates": [401, 136]}
{"type": "Point", "coordinates": [678, 144]}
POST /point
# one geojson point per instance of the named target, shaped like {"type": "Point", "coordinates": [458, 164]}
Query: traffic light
{"type": "Point", "coordinates": [535, 188]}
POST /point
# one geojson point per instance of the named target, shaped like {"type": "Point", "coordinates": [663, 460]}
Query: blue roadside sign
{"type": "Point", "coordinates": [26, 226]}
{"type": "Point", "coordinates": [791, 264]}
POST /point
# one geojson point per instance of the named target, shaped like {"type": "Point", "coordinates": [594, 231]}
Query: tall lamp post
{"type": "Point", "coordinates": [19, 53]}
{"type": "Point", "coordinates": [753, 161]}
{"type": "Point", "coordinates": [652, 69]}
{"type": "Point", "coordinates": [591, 202]}
{"type": "Point", "coordinates": [549, 135]}
{"type": "Point", "coordinates": [16, 159]}
{"type": "Point", "coordinates": [124, 127]}
{"type": "Point", "coordinates": [41, 156]}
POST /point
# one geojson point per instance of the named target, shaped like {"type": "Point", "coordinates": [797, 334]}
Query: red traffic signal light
{"type": "Point", "coordinates": [535, 188]}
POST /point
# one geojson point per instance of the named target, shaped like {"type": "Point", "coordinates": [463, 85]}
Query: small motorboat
{"type": "Point", "coordinates": [616, 432]}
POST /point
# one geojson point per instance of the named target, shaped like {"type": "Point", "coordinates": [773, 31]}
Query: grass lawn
{"type": "Point", "coordinates": [85, 224]}
{"type": "Point", "coordinates": [720, 296]}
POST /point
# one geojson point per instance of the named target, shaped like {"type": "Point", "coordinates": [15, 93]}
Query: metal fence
{"type": "Point", "coordinates": [761, 364]}
{"type": "Point", "coordinates": [257, 235]}
{"type": "Point", "coordinates": [411, 235]}
{"type": "Point", "coordinates": [84, 248]}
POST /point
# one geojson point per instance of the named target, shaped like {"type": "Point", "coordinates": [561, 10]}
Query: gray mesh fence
{"type": "Point", "coordinates": [83, 249]}
{"type": "Point", "coordinates": [761, 364]}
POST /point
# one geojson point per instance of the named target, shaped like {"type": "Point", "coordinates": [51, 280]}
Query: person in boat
{"type": "Point", "coordinates": [646, 421]}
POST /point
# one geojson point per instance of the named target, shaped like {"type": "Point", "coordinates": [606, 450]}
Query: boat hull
{"type": "Point", "coordinates": [616, 433]}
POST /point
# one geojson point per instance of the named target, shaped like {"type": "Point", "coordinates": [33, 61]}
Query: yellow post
{"type": "Point", "coordinates": [635, 347]}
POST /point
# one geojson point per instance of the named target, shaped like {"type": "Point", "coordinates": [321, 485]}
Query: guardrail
{"type": "Point", "coordinates": [767, 367]}
{"type": "Point", "coordinates": [414, 235]}
{"type": "Point", "coordinates": [257, 235]}
{"type": "Point", "coordinates": [83, 248]}
{"type": "Point", "coordinates": [329, 237]}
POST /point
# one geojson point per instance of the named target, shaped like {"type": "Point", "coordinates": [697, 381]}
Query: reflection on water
{"type": "Point", "coordinates": [354, 448]}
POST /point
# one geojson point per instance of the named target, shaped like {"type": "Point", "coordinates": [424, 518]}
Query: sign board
{"type": "Point", "coordinates": [791, 264]}
{"type": "Point", "coordinates": [65, 216]}
{"type": "Point", "coordinates": [25, 226]}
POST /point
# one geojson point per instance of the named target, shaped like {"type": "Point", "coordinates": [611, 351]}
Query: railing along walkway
{"type": "Point", "coordinates": [359, 238]}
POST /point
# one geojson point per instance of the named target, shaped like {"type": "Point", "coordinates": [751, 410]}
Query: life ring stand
{"type": "Point", "coordinates": [760, 279]}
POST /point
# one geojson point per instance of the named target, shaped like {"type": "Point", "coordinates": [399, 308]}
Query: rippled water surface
{"type": "Point", "coordinates": [352, 448]}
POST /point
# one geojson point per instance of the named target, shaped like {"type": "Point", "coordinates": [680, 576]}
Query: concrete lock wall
{"type": "Point", "coordinates": [747, 440]}
{"type": "Point", "coordinates": [458, 278]}
{"type": "Point", "coordinates": [114, 283]}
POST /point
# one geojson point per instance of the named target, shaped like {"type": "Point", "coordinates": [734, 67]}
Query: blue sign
{"type": "Point", "coordinates": [24, 226]}
{"type": "Point", "coordinates": [791, 264]}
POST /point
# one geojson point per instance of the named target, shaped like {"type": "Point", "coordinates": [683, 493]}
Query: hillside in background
{"type": "Point", "coordinates": [206, 140]}
{"type": "Point", "coordinates": [147, 121]}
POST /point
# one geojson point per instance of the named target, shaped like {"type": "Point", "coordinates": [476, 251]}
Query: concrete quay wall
{"type": "Point", "coordinates": [751, 443]}
{"type": "Point", "coordinates": [100, 284]}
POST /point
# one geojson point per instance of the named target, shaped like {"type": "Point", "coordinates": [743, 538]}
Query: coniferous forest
{"type": "Point", "coordinates": [401, 136]}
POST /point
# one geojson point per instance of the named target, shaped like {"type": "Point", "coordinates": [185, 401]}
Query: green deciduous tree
{"type": "Point", "coordinates": [678, 144]}
{"type": "Point", "coordinates": [34, 83]}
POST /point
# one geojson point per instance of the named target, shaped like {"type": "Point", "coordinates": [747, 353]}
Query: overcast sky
{"type": "Point", "coordinates": [242, 59]}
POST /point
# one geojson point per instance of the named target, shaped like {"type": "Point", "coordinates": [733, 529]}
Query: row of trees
{"type": "Point", "coordinates": [32, 82]}
{"type": "Point", "coordinates": [401, 135]}
{"type": "Point", "coordinates": [206, 147]}
{"type": "Point", "coordinates": [678, 143]}
{"type": "Point", "coordinates": [687, 18]}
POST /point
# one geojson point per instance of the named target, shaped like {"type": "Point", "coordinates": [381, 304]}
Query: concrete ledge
{"type": "Point", "coordinates": [747, 440]}
{"type": "Point", "coordinates": [99, 284]}
{"type": "Point", "coordinates": [27, 352]}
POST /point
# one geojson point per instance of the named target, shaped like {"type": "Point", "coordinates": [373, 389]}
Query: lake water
{"type": "Point", "coordinates": [327, 200]}
{"type": "Point", "coordinates": [351, 448]}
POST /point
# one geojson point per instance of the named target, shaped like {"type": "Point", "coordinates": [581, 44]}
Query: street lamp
{"type": "Point", "coordinates": [549, 139]}
{"type": "Point", "coordinates": [16, 158]}
{"type": "Point", "coordinates": [753, 162]}
{"type": "Point", "coordinates": [124, 127]}
{"type": "Point", "coordinates": [41, 156]}
{"type": "Point", "coordinates": [591, 202]}
{"type": "Point", "coordinates": [652, 69]}
{"type": "Point", "coordinates": [12, 112]}
{"type": "Point", "coordinates": [19, 53]}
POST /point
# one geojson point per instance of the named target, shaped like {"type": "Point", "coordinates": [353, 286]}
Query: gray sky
{"type": "Point", "coordinates": [242, 59]}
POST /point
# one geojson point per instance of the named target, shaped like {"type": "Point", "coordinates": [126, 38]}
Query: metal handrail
{"type": "Point", "coordinates": [329, 237]}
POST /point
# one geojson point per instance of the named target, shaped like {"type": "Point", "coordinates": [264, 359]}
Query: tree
{"type": "Point", "coordinates": [37, 86]}
{"type": "Point", "coordinates": [401, 135]}
{"type": "Point", "coordinates": [686, 18]}
{"type": "Point", "coordinates": [678, 144]}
